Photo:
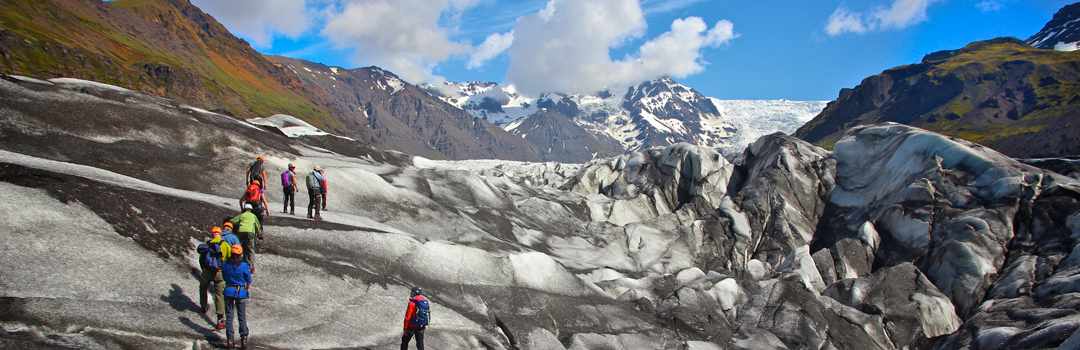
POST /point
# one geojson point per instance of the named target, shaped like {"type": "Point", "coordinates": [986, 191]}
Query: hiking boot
{"type": "Point", "coordinates": [309, 216]}
{"type": "Point", "coordinates": [220, 321]}
{"type": "Point", "coordinates": [292, 213]}
{"type": "Point", "coordinates": [243, 342]}
{"type": "Point", "coordinates": [229, 344]}
{"type": "Point", "coordinates": [205, 308]}
{"type": "Point", "coordinates": [318, 217]}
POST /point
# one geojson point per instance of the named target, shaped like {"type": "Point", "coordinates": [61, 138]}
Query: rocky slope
{"type": "Point", "coordinates": [899, 238]}
{"type": "Point", "coordinates": [166, 48]}
{"type": "Point", "coordinates": [1001, 93]}
{"type": "Point", "coordinates": [1062, 33]}
{"type": "Point", "coordinates": [406, 118]}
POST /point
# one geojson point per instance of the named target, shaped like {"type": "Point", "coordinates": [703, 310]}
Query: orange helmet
{"type": "Point", "coordinates": [237, 249]}
{"type": "Point", "coordinates": [255, 182]}
{"type": "Point", "coordinates": [227, 225]}
{"type": "Point", "coordinates": [260, 158]}
{"type": "Point", "coordinates": [215, 230]}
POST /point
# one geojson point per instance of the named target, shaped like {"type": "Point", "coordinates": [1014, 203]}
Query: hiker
{"type": "Point", "coordinates": [212, 254]}
{"type": "Point", "coordinates": [288, 185]}
{"type": "Point", "coordinates": [247, 227]}
{"type": "Point", "coordinates": [226, 233]}
{"type": "Point", "coordinates": [417, 316]}
{"type": "Point", "coordinates": [237, 281]}
{"type": "Point", "coordinates": [314, 189]}
{"type": "Point", "coordinates": [256, 197]}
{"type": "Point", "coordinates": [255, 172]}
{"type": "Point", "coordinates": [322, 186]}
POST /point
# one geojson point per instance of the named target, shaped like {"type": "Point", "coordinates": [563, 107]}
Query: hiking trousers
{"type": "Point", "coordinates": [245, 241]}
{"type": "Point", "coordinates": [418, 332]}
{"type": "Point", "coordinates": [289, 199]}
{"type": "Point", "coordinates": [240, 308]}
{"type": "Point", "coordinates": [208, 277]}
{"type": "Point", "coordinates": [314, 200]}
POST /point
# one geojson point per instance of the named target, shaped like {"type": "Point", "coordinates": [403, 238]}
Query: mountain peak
{"type": "Point", "coordinates": [1062, 33]}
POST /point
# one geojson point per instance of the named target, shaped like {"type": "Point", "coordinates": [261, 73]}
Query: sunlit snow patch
{"type": "Point", "coordinates": [75, 83]}
{"type": "Point", "coordinates": [289, 125]}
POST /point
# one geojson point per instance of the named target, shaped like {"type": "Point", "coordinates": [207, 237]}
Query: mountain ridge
{"type": "Point", "coordinates": [1001, 93]}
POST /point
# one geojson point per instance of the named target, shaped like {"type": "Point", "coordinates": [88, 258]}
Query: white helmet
{"type": "Point", "coordinates": [247, 206]}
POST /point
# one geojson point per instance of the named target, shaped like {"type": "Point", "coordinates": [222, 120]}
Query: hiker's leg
{"type": "Point", "coordinates": [229, 311]}
{"type": "Point", "coordinates": [204, 283]}
{"type": "Point", "coordinates": [405, 340]}
{"type": "Point", "coordinates": [311, 201]}
{"type": "Point", "coordinates": [219, 290]}
{"type": "Point", "coordinates": [241, 316]}
{"type": "Point", "coordinates": [318, 198]}
{"type": "Point", "coordinates": [420, 338]}
{"type": "Point", "coordinates": [245, 241]}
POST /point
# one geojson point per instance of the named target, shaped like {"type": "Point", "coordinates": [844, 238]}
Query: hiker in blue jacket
{"type": "Point", "coordinates": [227, 234]}
{"type": "Point", "coordinates": [237, 277]}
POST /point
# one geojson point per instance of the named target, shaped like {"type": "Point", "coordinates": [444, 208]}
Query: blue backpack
{"type": "Point", "coordinates": [422, 315]}
{"type": "Point", "coordinates": [209, 255]}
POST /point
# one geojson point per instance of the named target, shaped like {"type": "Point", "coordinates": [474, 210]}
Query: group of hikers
{"type": "Point", "coordinates": [256, 186]}
{"type": "Point", "coordinates": [226, 259]}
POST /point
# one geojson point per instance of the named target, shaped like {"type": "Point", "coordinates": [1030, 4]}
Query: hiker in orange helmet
{"type": "Point", "coordinates": [237, 277]}
{"type": "Point", "coordinates": [255, 172]}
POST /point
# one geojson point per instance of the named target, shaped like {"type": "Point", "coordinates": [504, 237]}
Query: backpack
{"type": "Point", "coordinates": [209, 255]}
{"type": "Point", "coordinates": [422, 315]}
{"type": "Point", "coordinates": [285, 179]}
{"type": "Point", "coordinates": [255, 172]}
{"type": "Point", "coordinates": [312, 182]}
{"type": "Point", "coordinates": [252, 194]}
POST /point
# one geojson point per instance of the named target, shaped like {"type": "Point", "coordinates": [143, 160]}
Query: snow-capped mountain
{"type": "Point", "coordinates": [1062, 33]}
{"type": "Point", "coordinates": [656, 113]}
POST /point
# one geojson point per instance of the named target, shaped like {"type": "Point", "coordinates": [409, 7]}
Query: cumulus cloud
{"type": "Point", "coordinates": [259, 20]}
{"type": "Point", "coordinates": [566, 47]}
{"type": "Point", "coordinates": [900, 14]}
{"type": "Point", "coordinates": [492, 46]}
{"type": "Point", "coordinates": [402, 36]}
{"type": "Point", "coordinates": [842, 20]}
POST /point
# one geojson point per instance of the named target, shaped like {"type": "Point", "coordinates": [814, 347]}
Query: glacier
{"type": "Point", "coordinates": [899, 238]}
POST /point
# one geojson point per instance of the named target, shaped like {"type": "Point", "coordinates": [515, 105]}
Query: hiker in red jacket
{"type": "Point", "coordinates": [255, 196]}
{"type": "Point", "coordinates": [417, 316]}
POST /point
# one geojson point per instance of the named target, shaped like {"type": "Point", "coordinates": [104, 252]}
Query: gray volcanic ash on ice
{"type": "Point", "coordinates": [899, 238]}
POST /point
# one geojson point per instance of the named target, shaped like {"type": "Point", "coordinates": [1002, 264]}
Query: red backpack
{"type": "Point", "coordinates": [252, 193]}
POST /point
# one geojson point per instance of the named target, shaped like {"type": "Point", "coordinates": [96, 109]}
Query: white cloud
{"type": "Point", "coordinates": [900, 14]}
{"type": "Point", "coordinates": [658, 6]}
{"type": "Point", "coordinates": [494, 45]}
{"type": "Point", "coordinates": [402, 36]}
{"type": "Point", "coordinates": [988, 6]}
{"type": "Point", "coordinates": [566, 47]}
{"type": "Point", "coordinates": [259, 20]}
{"type": "Point", "coordinates": [843, 20]}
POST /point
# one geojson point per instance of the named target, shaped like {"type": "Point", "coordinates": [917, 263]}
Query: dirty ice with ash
{"type": "Point", "coordinates": [898, 239]}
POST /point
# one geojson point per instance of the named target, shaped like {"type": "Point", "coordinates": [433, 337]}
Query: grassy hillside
{"type": "Point", "coordinates": [1001, 93]}
{"type": "Point", "coordinates": [167, 48]}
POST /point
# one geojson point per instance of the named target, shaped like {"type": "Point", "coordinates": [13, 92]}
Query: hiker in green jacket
{"type": "Point", "coordinates": [247, 228]}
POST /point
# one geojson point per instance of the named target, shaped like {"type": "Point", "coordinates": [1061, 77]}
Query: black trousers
{"type": "Point", "coordinates": [289, 199]}
{"type": "Point", "coordinates": [419, 332]}
{"type": "Point", "coordinates": [245, 241]}
{"type": "Point", "coordinates": [314, 201]}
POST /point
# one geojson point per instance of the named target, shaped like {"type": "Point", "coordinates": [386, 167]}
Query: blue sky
{"type": "Point", "coordinates": [727, 49]}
